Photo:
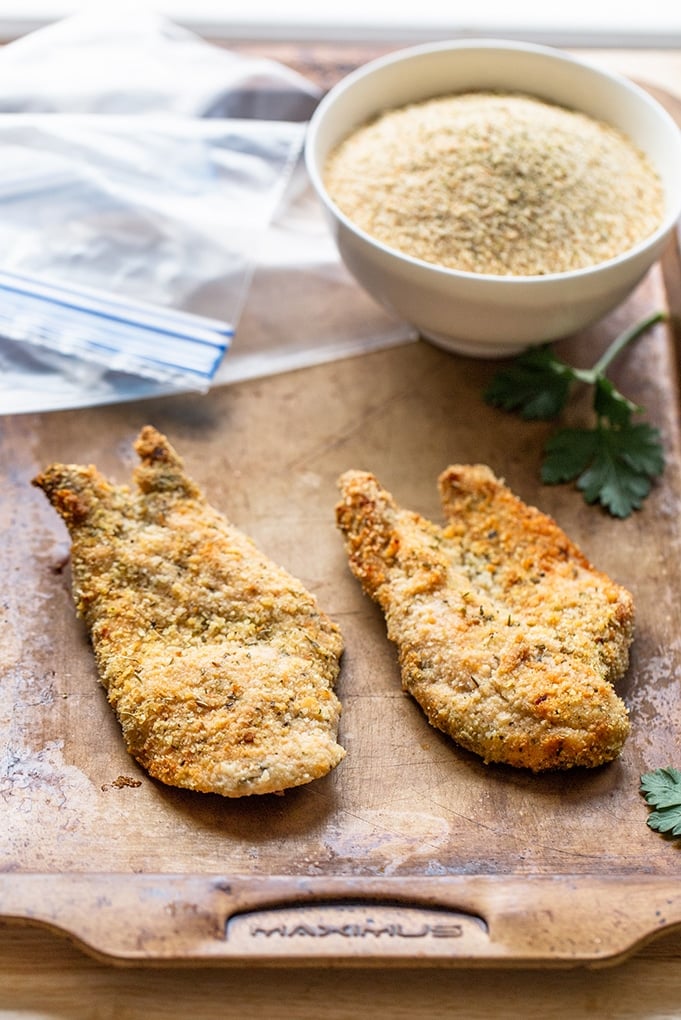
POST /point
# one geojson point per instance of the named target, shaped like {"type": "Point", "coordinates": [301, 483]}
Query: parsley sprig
{"type": "Point", "coordinates": [615, 461]}
{"type": "Point", "coordinates": [662, 791]}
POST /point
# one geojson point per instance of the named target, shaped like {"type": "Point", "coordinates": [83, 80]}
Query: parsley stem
{"type": "Point", "coordinates": [618, 345]}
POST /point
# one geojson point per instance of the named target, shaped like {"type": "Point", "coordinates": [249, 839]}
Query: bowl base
{"type": "Point", "coordinates": [473, 348]}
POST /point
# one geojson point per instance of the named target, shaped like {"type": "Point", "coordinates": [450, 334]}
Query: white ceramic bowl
{"type": "Point", "coordinates": [476, 314]}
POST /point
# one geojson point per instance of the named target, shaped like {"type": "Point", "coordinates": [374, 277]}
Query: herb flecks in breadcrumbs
{"type": "Point", "coordinates": [219, 664]}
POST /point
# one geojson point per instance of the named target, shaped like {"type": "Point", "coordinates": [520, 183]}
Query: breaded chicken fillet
{"type": "Point", "coordinates": [507, 636]}
{"type": "Point", "coordinates": [220, 666]}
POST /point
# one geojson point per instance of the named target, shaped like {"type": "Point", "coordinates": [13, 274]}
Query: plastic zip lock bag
{"type": "Point", "coordinates": [116, 232]}
{"type": "Point", "coordinates": [300, 305]}
{"type": "Point", "coordinates": [119, 58]}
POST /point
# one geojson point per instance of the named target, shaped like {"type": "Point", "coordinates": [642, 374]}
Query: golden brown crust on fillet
{"type": "Point", "coordinates": [507, 636]}
{"type": "Point", "coordinates": [220, 665]}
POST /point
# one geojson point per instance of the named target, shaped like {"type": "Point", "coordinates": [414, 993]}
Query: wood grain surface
{"type": "Point", "coordinates": [406, 804]}
{"type": "Point", "coordinates": [42, 977]}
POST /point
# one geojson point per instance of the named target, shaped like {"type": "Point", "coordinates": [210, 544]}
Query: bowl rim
{"type": "Point", "coordinates": [407, 54]}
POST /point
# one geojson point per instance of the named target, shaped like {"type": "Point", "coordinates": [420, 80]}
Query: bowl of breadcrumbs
{"type": "Point", "coordinates": [495, 194]}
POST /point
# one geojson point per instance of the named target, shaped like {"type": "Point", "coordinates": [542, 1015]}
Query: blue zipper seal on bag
{"type": "Point", "coordinates": [163, 344]}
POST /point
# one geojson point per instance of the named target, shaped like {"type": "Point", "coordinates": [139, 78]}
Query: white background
{"type": "Point", "coordinates": [651, 23]}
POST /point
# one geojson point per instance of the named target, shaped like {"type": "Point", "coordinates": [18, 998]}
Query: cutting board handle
{"type": "Point", "coordinates": [464, 919]}
{"type": "Point", "coordinates": [353, 927]}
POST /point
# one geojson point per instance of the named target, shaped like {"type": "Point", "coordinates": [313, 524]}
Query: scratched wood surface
{"type": "Point", "coordinates": [405, 804]}
{"type": "Point", "coordinates": [407, 822]}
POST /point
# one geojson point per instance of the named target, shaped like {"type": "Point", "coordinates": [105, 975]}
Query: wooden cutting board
{"type": "Point", "coordinates": [412, 851]}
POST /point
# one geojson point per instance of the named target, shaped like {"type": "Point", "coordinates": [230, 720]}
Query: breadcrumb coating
{"type": "Point", "coordinates": [507, 636]}
{"type": "Point", "coordinates": [219, 665]}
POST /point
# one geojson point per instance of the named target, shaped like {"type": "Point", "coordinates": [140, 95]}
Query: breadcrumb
{"type": "Point", "coordinates": [490, 182]}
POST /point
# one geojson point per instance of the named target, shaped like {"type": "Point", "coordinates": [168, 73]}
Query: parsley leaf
{"type": "Point", "coordinates": [614, 462]}
{"type": "Point", "coordinates": [662, 791]}
{"type": "Point", "coordinates": [613, 466]}
{"type": "Point", "coordinates": [537, 385]}
{"type": "Point", "coordinates": [609, 403]}
{"type": "Point", "coordinates": [568, 453]}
